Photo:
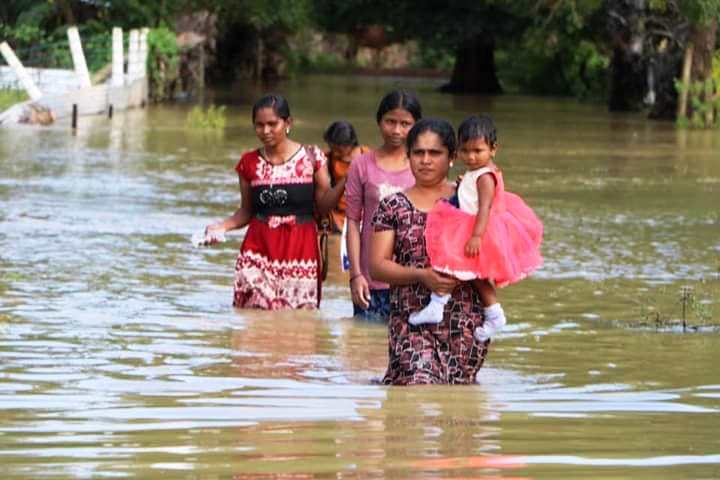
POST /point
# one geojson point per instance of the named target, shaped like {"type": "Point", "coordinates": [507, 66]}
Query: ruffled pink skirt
{"type": "Point", "coordinates": [510, 248]}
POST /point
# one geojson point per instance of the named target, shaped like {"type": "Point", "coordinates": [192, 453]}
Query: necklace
{"type": "Point", "coordinates": [264, 154]}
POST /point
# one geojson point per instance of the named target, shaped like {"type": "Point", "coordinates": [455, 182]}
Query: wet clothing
{"type": "Point", "coordinates": [442, 353]}
{"type": "Point", "coordinates": [379, 308]}
{"type": "Point", "coordinates": [278, 263]}
{"type": "Point", "coordinates": [367, 184]}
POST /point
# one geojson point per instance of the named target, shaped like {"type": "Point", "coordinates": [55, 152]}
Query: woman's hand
{"type": "Point", "coordinates": [214, 233]}
{"type": "Point", "coordinates": [437, 282]}
{"type": "Point", "coordinates": [472, 247]}
{"type": "Point", "coordinates": [360, 291]}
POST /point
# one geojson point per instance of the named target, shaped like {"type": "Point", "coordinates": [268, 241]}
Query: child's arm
{"type": "Point", "coordinates": [327, 197]}
{"type": "Point", "coordinates": [486, 191]}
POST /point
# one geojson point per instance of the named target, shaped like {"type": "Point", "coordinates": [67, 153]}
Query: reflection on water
{"type": "Point", "coordinates": [120, 354]}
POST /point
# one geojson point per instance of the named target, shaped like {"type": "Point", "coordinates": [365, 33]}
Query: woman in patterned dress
{"type": "Point", "coordinates": [281, 185]}
{"type": "Point", "coordinates": [431, 353]}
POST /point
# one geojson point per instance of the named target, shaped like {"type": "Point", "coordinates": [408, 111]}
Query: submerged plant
{"type": "Point", "coordinates": [689, 308]}
{"type": "Point", "coordinates": [213, 118]}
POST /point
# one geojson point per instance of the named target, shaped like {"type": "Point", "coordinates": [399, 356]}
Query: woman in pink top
{"type": "Point", "coordinates": [372, 177]}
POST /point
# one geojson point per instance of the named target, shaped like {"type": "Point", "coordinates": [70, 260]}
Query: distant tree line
{"type": "Point", "coordinates": [659, 55]}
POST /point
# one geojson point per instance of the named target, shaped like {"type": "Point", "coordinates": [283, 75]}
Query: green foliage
{"type": "Point", "coordinates": [300, 62]}
{"type": "Point", "coordinates": [703, 97]}
{"type": "Point", "coordinates": [700, 11]}
{"type": "Point", "coordinates": [696, 11]}
{"type": "Point", "coordinates": [97, 47]}
{"type": "Point", "coordinates": [162, 63]}
{"type": "Point", "coordinates": [37, 48]}
{"type": "Point", "coordinates": [21, 35]}
{"type": "Point", "coordinates": [213, 118]}
{"type": "Point", "coordinates": [9, 97]}
{"type": "Point", "coordinates": [430, 56]}
{"type": "Point", "coordinates": [557, 53]}
{"type": "Point", "coordinates": [280, 15]}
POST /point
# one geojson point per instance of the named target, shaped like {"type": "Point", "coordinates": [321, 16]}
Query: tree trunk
{"type": "Point", "coordinates": [685, 82]}
{"type": "Point", "coordinates": [259, 57]}
{"type": "Point", "coordinates": [474, 70]}
{"type": "Point", "coordinates": [67, 11]}
{"type": "Point", "coordinates": [628, 78]}
{"type": "Point", "coordinates": [703, 38]}
{"type": "Point", "coordinates": [629, 64]}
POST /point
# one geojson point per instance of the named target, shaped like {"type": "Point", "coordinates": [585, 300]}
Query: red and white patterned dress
{"type": "Point", "coordinates": [278, 263]}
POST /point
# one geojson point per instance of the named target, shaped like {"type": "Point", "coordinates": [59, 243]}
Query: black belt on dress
{"type": "Point", "coordinates": [299, 218]}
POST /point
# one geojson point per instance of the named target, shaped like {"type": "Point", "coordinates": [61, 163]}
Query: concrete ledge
{"type": "Point", "coordinates": [50, 81]}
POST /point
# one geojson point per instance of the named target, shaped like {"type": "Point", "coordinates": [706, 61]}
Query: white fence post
{"type": "Point", "coordinates": [20, 71]}
{"type": "Point", "coordinates": [81, 69]}
{"type": "Point", "coordinates": [143, 51]}
{"type": "Point", "coordinates": [118, 62]}
{"type": "Point", "coordinates": [133, 54]}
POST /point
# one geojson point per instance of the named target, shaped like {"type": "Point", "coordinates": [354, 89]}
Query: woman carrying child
{"type": "Point", "coordinates": [438, 353]}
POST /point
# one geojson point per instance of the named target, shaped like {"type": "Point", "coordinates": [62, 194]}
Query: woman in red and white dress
{"type": "Point", "coordinates": [282, 185]}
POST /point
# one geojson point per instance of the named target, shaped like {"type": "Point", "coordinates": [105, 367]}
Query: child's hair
{"type": "Point", "coordinates": [277, 102]}
{"type": "Point", "coordinates": [478, 127]}
{"type": "Point", "coordinates": [340, 133]}
{"type": "Point", "coordinates": [399, 99]}
{"type": "Point", "coordinates": [441, 127]}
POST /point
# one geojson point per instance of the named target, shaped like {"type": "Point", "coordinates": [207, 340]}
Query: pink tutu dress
{"type": "Point", "coordinates": [510, 248]}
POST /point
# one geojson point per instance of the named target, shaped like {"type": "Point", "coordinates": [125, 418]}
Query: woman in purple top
{"type": "Point", "coordinates": [372, 177]}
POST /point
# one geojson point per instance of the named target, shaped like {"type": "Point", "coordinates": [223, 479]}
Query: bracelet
{"type": "Point", "coordinates": [353, 277]}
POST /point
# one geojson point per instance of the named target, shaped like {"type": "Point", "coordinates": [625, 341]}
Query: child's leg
{"type": "Point", "coordinates": [433, 312]}
{"type": "Point", "coordinates": [486, 290]}
{"type": "Point", "coordinates": [493, 312]}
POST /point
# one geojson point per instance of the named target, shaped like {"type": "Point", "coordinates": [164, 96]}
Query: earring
{"type": "Point", "coordinates": [287, 131]}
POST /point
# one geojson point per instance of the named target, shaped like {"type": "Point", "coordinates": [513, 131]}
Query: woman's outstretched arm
{"type": "Point", "coordinates": [354, 194]}
{"type": "Point", "coordinates": [242, 215]}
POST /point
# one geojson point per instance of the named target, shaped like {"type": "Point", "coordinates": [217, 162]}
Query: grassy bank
{"type": "Point", "coordinates": [10, 97]}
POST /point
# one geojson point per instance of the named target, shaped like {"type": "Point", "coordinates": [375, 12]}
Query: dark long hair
{"type": "Point", "coordinates": [280, 106]}
{"type": "Point", "coordinates": [399, 99]}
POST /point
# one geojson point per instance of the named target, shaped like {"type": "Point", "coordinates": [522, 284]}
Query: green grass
{"type": "Point", "coordinates": [10, 97]}
{"type": "Point", "coordinates": [213, 118]}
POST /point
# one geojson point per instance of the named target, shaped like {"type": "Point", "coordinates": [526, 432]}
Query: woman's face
{"type": "Point", "coordinates": [429, 159]}
{"type": "Point", "coordinates": [395, 125]}
{"type": "Point", "coordinates": [269, 128]}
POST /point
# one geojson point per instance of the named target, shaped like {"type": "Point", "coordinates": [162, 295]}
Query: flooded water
{"type": "Point", "coordinates": [121, 355]}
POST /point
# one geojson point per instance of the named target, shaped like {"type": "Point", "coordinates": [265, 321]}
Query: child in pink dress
{"type": "Point", "coordinates": [493, 238]}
